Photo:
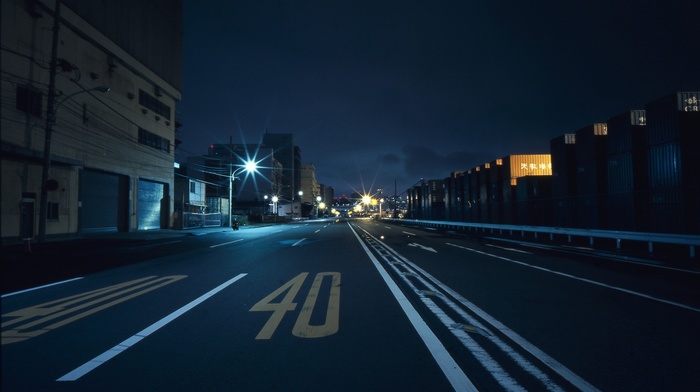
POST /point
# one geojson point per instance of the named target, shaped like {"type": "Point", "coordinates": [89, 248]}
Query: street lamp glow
{"type": "Point", "coordinates": [366, 199]}
{"type": "Point", "coordinates": [251, 166]}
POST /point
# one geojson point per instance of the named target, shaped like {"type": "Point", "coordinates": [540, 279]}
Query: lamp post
{"type": "Point", "coordinates": [301, 194]}
{"type": "Point", "coordinates": [52, 111]}
{"type": "Point", "coordinates": [275, 199]}
{"type": "Point", "coordinates": [250, 167]}
{"type": "Point", "coordinates": [318, 204]}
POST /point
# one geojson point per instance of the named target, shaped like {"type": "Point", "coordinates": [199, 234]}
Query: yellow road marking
{"type": "Point", "coordinates": [301, 327]}
{"type": "Point", "coordinates": [36, 320]}
{"type": "Point", "coordinates": [278, 309]}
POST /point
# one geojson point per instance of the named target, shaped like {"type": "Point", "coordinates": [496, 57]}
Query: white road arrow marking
{"type": "Point", "coordinates": [422, 247]}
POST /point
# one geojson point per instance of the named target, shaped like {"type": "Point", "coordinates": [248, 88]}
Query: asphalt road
{"type": "Point", "coordinates": [353, 305]}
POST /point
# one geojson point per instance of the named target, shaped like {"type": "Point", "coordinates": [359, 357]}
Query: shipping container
{"type": "Point", "coordinates": [627, 132]}
{"type": "Point", "coordinates": [508, 170]}
{"type": "Point", "coordinates": [591, 142]}
{"type": "Point", "coordinates": [454, 196]}
{"type": "Point", "coordinates": [667, 213]}
{"type": "Point", "coordinates": [434, 206]}
{"type": "Point", "coordinates": [674, 184]}
{"type": "Point", "coordinates": [484, 197]}
{"type": "Point", "coordinates": [665, 165]}
{"type": "Point", "coordinates": [495, 191]}
{"type": "Point", "coordinates": [627, 193]}
{"type": "Point", "coordinates": [675, 117]}
{"type": "Point", "coordinates": [414, 202]}
{"type": "Point", "coordinates": [471, 190]}
{"type": "Point", "coordinates": [563, 158]}
{"type": "Point", "coordinates": [591, 177]}
{"type": "Point", "coordinates": [563, 155]}
{"type": "Point", "coordinates": [533, 204]}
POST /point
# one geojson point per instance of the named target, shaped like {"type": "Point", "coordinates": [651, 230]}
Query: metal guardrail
{"type": "Point", "coordinates": [692, 241]}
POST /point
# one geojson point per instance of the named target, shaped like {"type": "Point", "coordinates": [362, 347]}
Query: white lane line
{"type": "Point", "coordinates": [317, 231]}
{"type": "Point", "coordinates": [553, 364]}
{"type": "Point", "coordinates": [526, 365]}
{"type": "Point", "coordinates": [455, 375]}
{"type": "Point", "coordinates": [226, 243]}
{"type": "Point", "coordinates": [409, 233]}
{"type": "Point", "coordinates": [638, 294]}
{"type": "Point", "coordinates": [119, 348]}
{"type": "Point", "coordinates": [40, 287]}
{"type": "Point", "coordinates": [510, 249]}
{"type": "Point", "coordinates": [298, 242]}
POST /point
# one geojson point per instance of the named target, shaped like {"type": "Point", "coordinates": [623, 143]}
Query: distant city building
{"type": "Point", "coordinates": [309, 187]}
{"type": "Point", "coordinates": [289, 156]}
{"type": "Point", "coordinates": [106, 162]}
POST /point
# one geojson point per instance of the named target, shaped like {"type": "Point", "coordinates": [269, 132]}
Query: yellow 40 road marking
{"type": "Point", "coordinates": [302, 327]}
{"type": "Point", "coordinates": [36, 320]}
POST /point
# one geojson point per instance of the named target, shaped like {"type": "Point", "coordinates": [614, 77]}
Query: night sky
{"type": "Point", "coordinates": [378, 92]}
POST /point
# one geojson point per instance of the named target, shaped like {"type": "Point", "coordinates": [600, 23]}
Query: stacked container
{"type": "Point", "coordinates": [484, 174]}
{"type": "Point", "coordinates": [534, 200]}
{"type": "Point", "coordinates": [627, 171]}
{"type": "Point", "coordinates": [504, 173]}
{"type": "Point", "coordinates": [454, 196]}
{"type": "Point", "coordinates": [673, 139]}
{"type": "Point", "coordinates": [563, 150]}
{"type": "Point", "coordinates": [591, 177]}
{"type": "Point", "coordinates": [471, 189]}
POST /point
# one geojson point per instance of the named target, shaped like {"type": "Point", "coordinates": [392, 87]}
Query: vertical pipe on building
{"type": "Point", "coordinates": [50, 119]}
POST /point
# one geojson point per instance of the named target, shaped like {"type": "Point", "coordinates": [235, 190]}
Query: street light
{"type": "Point", "coordinates": [249, 167]}
{"type": "Point", "coordinates": [48, 132]}
{"type": "Point", "coordinates": [275, 199]}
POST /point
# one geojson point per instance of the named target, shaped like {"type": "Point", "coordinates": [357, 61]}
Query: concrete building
{"type": "Point", "coordinates": [289, 156]}
{"type": "Point", "coordinates": [310, 189]}
{"type": "Point", "coordinates": [106, 162]}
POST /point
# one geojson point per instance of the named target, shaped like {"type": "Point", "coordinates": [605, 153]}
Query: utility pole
{"type": "Point", "coordinates": [50, 120]}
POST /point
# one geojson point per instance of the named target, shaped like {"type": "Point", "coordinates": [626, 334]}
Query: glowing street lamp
{"type": "Point", "coordinates": [275, 199]}
{"type": "Point", "coordinates": [249, 167]}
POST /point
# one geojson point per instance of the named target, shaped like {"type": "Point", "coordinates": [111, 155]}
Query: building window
{"type": "Point", "coordinates": [152, 140]}
{"type": "Point", "coordinates": [52, 211]}
{"type": "Point", "coordinates": [193, 187]}
{"type": "Point", "coordinates": [152, 103]}
{"type": "Point", "coordinates": [29, 100]}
